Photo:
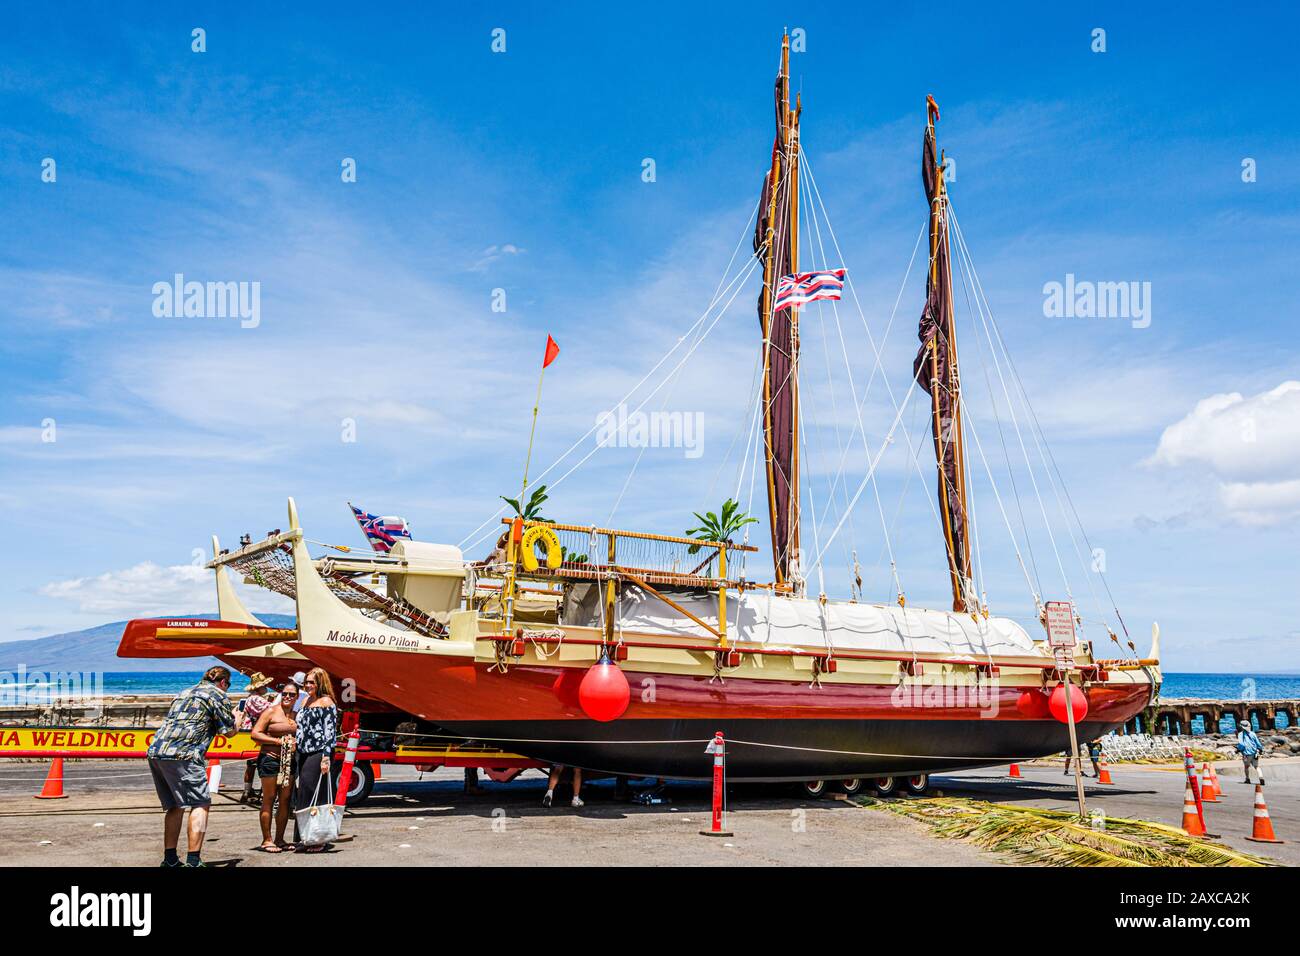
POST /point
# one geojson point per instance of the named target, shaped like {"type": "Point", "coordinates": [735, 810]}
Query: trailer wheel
{"type": "Point", "coordinates": [918, 784]}
{"type": "Point", "coordinates": [813, 788]}
{"type": "Point", "coordinates": [885, 786]}
{"type": "Point", "coordinates": [851, 786]}
{"type": "Point", "coordinates": [362, 782]}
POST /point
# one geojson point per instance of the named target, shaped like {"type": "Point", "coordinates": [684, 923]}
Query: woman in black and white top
{"type": "Point", "coordinates": [318, 729]}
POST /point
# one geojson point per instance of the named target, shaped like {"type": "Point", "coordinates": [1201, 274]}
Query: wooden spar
{"type": "Point", "coordinates": [769, 260]}
{"type": "Point", "coordinates": [788, 147]}
{"type": "Point", "coordinates": [954, 370]}
{"type": "Point", "coordinates": [636, 640]}
{"type": "Point", "coordinates": [611, 595]}
{"type": "Point", "coordinates": [720, 635]}
{"type": "Point", "coordinates": [641, 535]}
{"type": "Point", "coordinates": [792, 140]}
{"type": "Point", "coordinates": [958, 565]}
{"type": "Point", "coordinates": [722, 597]}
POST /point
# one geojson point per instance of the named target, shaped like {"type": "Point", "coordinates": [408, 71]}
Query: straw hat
{"type": "Point", "coordinates": [257, 680]}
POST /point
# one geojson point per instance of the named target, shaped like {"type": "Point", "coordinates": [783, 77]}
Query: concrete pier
{"type": "Point", "coordinates": [1174, 717]}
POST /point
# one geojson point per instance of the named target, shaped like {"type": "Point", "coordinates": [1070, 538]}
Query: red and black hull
{"type": "Point", "coordinates": [773, 750]}
{"type": "Point", "coordinates": [775, 729]}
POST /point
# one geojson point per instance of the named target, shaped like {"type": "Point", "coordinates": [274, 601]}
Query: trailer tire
{"type": "Point", "coordinates": [813, 788]}
{"type": "Point", "coordinates": [363, 781]}
{"type": "Point", "coordinates": [918, 784]}
{"type": "Point", "coordinates": [885, 786]}
{"type": "Point", "coordinates": [851, 786]}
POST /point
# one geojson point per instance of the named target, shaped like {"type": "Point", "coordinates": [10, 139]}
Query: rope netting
{"type": "Point", "coordinates": [272, 569]}
{"type": "Point", "coordinates": [655, 559]}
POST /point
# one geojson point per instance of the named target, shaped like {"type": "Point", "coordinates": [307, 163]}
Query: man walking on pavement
{"type": "Point", "coordinates": [1249, 747]}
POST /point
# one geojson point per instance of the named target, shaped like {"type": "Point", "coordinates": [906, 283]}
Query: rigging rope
{"type": "Point", "coordinates": [645, 378]}
{"type": "Point", "coordinates": [1038, 602]}
{"type": "Point", "coordinates": [876, 349]}
{"type": "Point", "coordinates": [1041, 443]}
{"type": "Point", "coordinates": [676, 377]}
{"type": "Point", "coordinates": [744, 274]}
{"type": "Point", "coordinates": [862, 430]}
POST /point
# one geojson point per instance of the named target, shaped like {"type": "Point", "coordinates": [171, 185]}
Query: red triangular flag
{"type": "Point", "coordinates": [552, 350]}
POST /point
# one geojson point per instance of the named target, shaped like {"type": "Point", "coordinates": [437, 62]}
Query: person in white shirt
{"type": "Point", "coordinates": [300, 680]}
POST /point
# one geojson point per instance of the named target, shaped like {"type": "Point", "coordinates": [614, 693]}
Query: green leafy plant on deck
{"type": "Point", "coordinates": [722, 526]}
{"type": "Point", "coordinates": [719, 527]}
{"type": "Point", "coordinates": [532, 509]}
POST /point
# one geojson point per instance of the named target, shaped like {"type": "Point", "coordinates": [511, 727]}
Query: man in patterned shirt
{"type": "Point", "coordinates": [178, 760]}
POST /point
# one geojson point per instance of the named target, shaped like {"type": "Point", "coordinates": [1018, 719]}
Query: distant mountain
{"type": "Point", "coordinates": [95, 649]}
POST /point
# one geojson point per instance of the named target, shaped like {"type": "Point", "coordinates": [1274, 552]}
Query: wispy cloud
{"type": "Point", "coordinates": [148, 588]}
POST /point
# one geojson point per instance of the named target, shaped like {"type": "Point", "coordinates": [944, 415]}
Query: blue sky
{"type": "Point", "coordinates": [522, 171]}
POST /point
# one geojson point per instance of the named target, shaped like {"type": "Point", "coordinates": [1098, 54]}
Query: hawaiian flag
{"type": "Point", "coordinates": [804, 287]}
{"type": "Point", "coordinates": [381, 531]}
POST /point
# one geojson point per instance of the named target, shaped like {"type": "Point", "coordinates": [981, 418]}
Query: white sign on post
{"type": "Point", "coordinates": [1059, 616]}
{"type": "Point", "coordinates": [1060, 624]}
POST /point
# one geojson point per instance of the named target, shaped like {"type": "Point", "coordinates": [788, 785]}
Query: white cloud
{"type": "Point", "coordinates": [148, 589]}
{"type": "Point", "coordinates": [494, 252]}
{"type": "Point", "coordinates": [1262, 502]}
{"type": "Point", "coordinates": [1250, 446]}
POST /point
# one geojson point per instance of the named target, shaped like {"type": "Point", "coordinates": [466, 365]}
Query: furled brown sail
{"type": "Point", "coordinates": [936, 371]}
{"type": "Point", "coordinates": [776, 244]}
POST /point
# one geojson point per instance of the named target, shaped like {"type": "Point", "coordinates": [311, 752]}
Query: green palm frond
{"type": "Point", "coordinates": [1059, 838]}
{"type": "Point", "coordinates": [532, 509]}
{"type": "Point", "coordinates": [719, 527]}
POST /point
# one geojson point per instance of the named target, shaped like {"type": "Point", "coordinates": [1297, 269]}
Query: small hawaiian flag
{"type": "Point", "coordinates": [382, 531]}
{"type": "Point", "coordinates": [804, 287]}
{"type": "Point", "coordinates": [552, 350]}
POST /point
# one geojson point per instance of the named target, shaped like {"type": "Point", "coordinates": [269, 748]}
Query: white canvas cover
{"type": "Point", "coordinates": [797, 622]}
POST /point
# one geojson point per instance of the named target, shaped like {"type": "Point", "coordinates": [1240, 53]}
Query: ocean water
{"type": "Point", "coordinates": [1231, 686]}
{"type": "Point", "coordinates": [42, 688]}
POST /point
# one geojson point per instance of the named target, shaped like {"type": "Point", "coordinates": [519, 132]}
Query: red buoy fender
{"type": "Point", "coordinates": [604, 693]}
{"type": "Point", "coordinates": [1078, 702]}
{"type": "Point", "coordinates": [1033, 704]}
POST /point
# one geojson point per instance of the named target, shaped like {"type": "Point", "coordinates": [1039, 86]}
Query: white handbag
{"type": "Point", "coordinates": [319, 824]}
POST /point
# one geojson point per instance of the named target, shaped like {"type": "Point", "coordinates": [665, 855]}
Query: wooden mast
{"type": "Point", "coordinates": [774, 176]}
{"type": "Point", "coordinates": [788, 147]}
{"type": "Point", "coordinates": [959, 558]}
{"type": "Point", "coordinates": [792, 151]}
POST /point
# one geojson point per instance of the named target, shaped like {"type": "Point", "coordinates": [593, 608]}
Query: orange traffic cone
{"type": "Point", "coordinates": [1015, 770]}
{"type": "Point", "coordinates": [214, 775]}
{"type": "Point", "coordinates": [1103, 772]}
{"type": "Point", "coordinates": [1209, 792]}
{"type": "Point", "coordinates": [1263, 832]}
{"type": "Point", "coordinates": [1191, 818]}
{"type": "Point", "coordinates": [1214, 777]}
{"type": "Point", "coordinates": [53, 789]}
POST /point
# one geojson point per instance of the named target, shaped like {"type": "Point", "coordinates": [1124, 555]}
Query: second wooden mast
{"type": "Point", "coordinates": [937, 369]}
{"type": "Point", "coordinates": [776, 241]}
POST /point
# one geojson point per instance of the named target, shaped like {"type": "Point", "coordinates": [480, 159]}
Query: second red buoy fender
{"type": "Point", "coordinates": [1033, 704]}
